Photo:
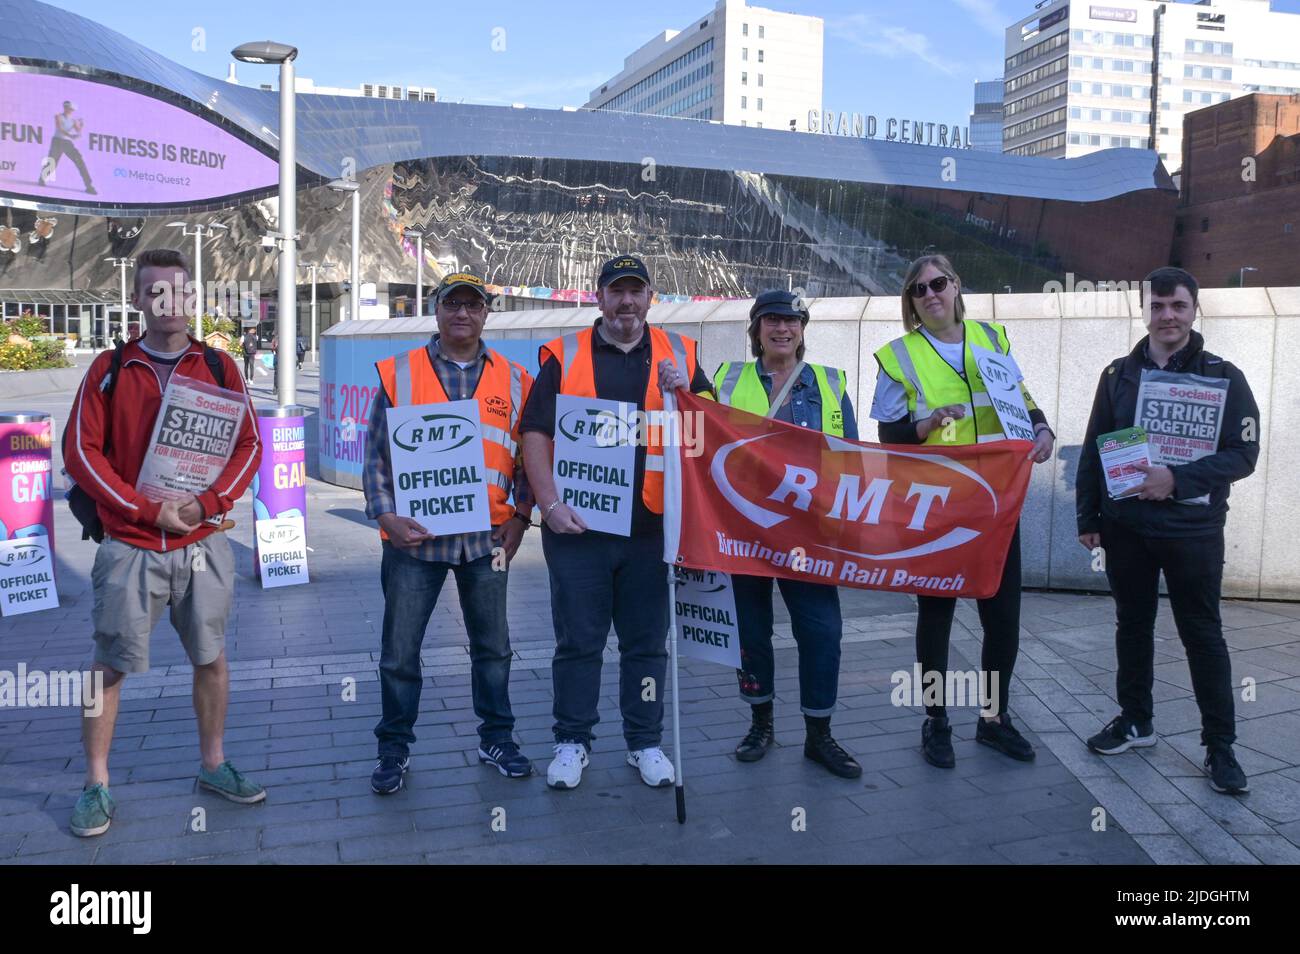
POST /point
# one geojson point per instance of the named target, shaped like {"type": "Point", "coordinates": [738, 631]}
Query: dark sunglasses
{"type": "Point", "coordinates": [936, 285]}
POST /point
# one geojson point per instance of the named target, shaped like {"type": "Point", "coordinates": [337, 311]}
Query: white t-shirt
{"type": "Point", "coordinates": [890, 400]}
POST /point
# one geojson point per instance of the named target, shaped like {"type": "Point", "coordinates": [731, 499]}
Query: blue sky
{"type": "Point", "coordinates": [916, 58]}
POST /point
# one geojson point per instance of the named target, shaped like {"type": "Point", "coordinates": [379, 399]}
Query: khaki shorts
{"type": "Point", "coordinates": [133, 585]}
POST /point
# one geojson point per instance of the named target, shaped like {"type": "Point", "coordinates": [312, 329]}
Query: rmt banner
{"type": "Point", "coordinates": [193, 439]}
{"type": "Point", "coordinates": [770, 499]}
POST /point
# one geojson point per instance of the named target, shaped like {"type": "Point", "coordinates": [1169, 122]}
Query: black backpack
{"type": "Point", "coordinates": [81, 503]}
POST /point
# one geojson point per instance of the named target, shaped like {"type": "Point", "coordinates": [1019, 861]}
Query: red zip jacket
{"type": "Point", "coordinates": [126, 422]}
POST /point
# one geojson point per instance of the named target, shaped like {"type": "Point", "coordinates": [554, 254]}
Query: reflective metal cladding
{"type": "Point", "coordinates": [536, 199]}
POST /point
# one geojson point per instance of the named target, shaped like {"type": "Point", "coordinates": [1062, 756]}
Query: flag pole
{"type": "Point", "coordinates": [672, 535]}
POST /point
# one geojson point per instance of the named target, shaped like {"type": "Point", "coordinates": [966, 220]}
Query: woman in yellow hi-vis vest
{"type": "Point", "coordinates": [929, 391]}
{"type": "Point", "coordinates": [780, 385]}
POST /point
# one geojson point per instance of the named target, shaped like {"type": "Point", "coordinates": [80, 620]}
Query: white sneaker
{"type": "Point", "coordinates": [656, 770]}
{"type": "Point", "coordinates": [566, 768]}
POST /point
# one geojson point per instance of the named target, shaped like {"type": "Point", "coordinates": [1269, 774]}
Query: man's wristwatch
{"type": "Point", "coordinates": [526, 521]}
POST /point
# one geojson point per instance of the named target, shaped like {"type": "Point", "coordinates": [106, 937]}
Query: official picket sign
{"type": "Point", "coordinates": [26, 576]}
{"type": "Point", "coordinates": [439, 472]}
{"type": "Point", "coordinates": [1002, 379]}
{"type": "Point", "coordinates": [282, 551]}
{"type": "Point", "coordinates": [706, 617]}
{"type": "Point", "coordinates": [595, 461]}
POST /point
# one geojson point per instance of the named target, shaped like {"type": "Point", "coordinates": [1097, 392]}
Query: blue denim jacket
{"type": "Point", "coordinates": [805, 405]}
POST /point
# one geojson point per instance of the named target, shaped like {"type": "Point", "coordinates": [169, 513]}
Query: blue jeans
{"type": "Point", "coordinates": [598, 579]}
{"type": "Point", "coordinates": [411, 589]}
{"type": "Point", "coordinates": [814, 617]}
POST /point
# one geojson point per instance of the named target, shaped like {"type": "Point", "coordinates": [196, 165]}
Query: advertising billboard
{"type": "Point", "coordinates": [81, 142]}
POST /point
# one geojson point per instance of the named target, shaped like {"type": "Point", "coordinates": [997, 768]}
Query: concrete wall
{"type": "Point", "coordinates": [1062, 341]}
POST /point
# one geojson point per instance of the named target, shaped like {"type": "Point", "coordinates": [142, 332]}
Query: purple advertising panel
{"type": "Point", "coordinates": [27, 497]}
{"type": "Point", "coordinates": [78, 141]}
{"type": "Point", "coordinates": [280, 485]}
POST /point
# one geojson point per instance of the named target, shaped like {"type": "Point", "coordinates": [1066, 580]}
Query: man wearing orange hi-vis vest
{"type": "Point", "coordinates": [454, 366]}
{"type": "Point", "coordinates": [599, 578]}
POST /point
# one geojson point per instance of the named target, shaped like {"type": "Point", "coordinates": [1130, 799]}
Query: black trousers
{"type": "Point", "coordinates": [1000, 619]}
{"type": "Point", "coordinates": [249, 360]}
{"type": "Point", "coordinates": [1193, 568]}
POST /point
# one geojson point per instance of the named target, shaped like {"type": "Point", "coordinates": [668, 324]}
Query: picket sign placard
{"type": "Point", "coordinates": [595, 461]}
{"type": "Point", "coordinates": [26, 576]}
{"type": "Point", "coordinates": [1002, 379]}
{"type": "Point", "coordinates": [282, 551]}
{"type": "Point", "coordinates": [706, 617]}
{"type": "Point", "coordinates": [439, 475]}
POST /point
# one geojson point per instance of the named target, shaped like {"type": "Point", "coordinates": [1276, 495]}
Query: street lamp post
{"type": "Point", "coordinates": [200, 300]}
{"type": "Point", "coordinates": [419, 269]}
{"type": "Point", "coordinates": [122, 264]}
{"type": "Point", "coordinates": [1241, 276]}
{"type": "Point", "coordinates": [354, 293]}
{"type": "Point", "coordinates": [314, 266]}
{"type": "Point", "coordinates": [267, 51]}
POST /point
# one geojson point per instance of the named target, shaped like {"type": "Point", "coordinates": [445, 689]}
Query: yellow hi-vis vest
{"type": "Point", "coordinates": [739, 385]}
{"type": "Point", "coordinates": [931, 382]}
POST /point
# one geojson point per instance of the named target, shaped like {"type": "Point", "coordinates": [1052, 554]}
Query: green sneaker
{"type": "Point", "coordinates": [94, 811]}
{"type": "Point", "coordinates": [228, 782]}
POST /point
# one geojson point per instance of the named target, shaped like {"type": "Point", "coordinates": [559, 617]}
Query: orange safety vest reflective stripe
{"type": "Point", "coordinates": [502, 389]}
{"type": "Point", "coordinates": [578, 378]}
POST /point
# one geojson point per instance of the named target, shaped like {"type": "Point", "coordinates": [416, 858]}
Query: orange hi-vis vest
{"type": "Point", "coordinates": [502, 389]}
{"type": "Point", "coordinates": [578, 378]}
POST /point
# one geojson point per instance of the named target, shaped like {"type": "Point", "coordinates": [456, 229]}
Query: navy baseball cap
{"type": "Point", "coordinates": [622, 266]}
{"type": "Point", "coordinates": [456, 280]}
{"type": "Point", "coordinates": [778, 302]}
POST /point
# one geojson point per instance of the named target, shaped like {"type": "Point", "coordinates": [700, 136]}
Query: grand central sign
{"type": "Point", "coordinates": [866, 126]}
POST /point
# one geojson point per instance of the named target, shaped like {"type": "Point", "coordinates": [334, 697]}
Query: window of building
{"type": "Point", "coordinates": [759, 125]}
{"type": "Point", "coordinates": [744, 53]}
{"type": "Point", "coordinates": [1205, 225]}
{"type": "Point", "coordinates": [760, 104]}
{"type": "Point", "coordinates": [760, 79]}
{"type": "Point", "coordinates": [744, 102]}
{"type": "Point", "coordinates": [744, 29]}
{"type": "Point", "coordinates": [743, 123]}
{"type": "Point", "coordinates": [744, 79]}
{"type": "Point", "coordinates": [760, 56]}
{"type": "Point", "coordinates": [760, 31]}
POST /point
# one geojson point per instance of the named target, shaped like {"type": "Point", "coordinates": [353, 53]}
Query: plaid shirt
{"type": "Point", "coordinates": [377, 478]}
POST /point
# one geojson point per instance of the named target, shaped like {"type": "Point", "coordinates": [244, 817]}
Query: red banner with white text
{"type": "Point", "coordinates": [766, 498]}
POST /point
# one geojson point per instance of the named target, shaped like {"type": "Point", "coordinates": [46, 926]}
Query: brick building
{"type": "Point", "coordinates": [1239, 199]}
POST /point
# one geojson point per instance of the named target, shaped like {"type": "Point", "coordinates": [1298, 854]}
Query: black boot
{"type": "Point", "coordinates": [760, 737]}
{"type": "Point", "coordinates": [820, 747]}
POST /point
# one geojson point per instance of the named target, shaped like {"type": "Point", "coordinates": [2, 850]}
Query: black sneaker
{"type": "Point", "coordinates": [507, 758]}
{"type": "Point", "coordinates": [936, 742]}
{"type": "Point", "coordinates": [1004, 737]}
{"type": "Point", "coordinates": [759, 738]}
{"type": "Point", "coordinates": [1121, 735]}
{"type": "Point", "coordinates": [388, 774]}
{"type": "Point", "coordinates": [1225, 774]}
{"type": "Point", "coordinates": [820, 747]}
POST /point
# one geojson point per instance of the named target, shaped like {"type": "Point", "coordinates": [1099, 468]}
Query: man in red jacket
{"type": "Point", "coordinates": [156, 555]}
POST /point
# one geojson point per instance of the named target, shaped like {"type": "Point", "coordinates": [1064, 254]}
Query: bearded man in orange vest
{"type": "Point", "coordinates": [601, 578]}
{"type": "Point", "coordinates": [454, 366]}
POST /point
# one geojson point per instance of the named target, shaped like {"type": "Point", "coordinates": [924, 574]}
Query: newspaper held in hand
{"type": "Point", "coordinates": [193, 440]}
{"type": "Point", "coordinates": [1121, 452]}
{"type": "Point", "coordinates": [1183, 417]}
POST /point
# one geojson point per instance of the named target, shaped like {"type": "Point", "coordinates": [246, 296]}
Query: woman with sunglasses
{"type": "Point", "coordinates": [778, 384]}
{"type": "Point", "coordinates": [929, 391]}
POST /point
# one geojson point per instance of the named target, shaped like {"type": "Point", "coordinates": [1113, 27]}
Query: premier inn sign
{"type": "Point", "coordinates": [866, 126]}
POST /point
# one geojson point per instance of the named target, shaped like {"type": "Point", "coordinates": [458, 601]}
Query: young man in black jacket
{"type": "Point", "coordinates": [1173, 522]}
